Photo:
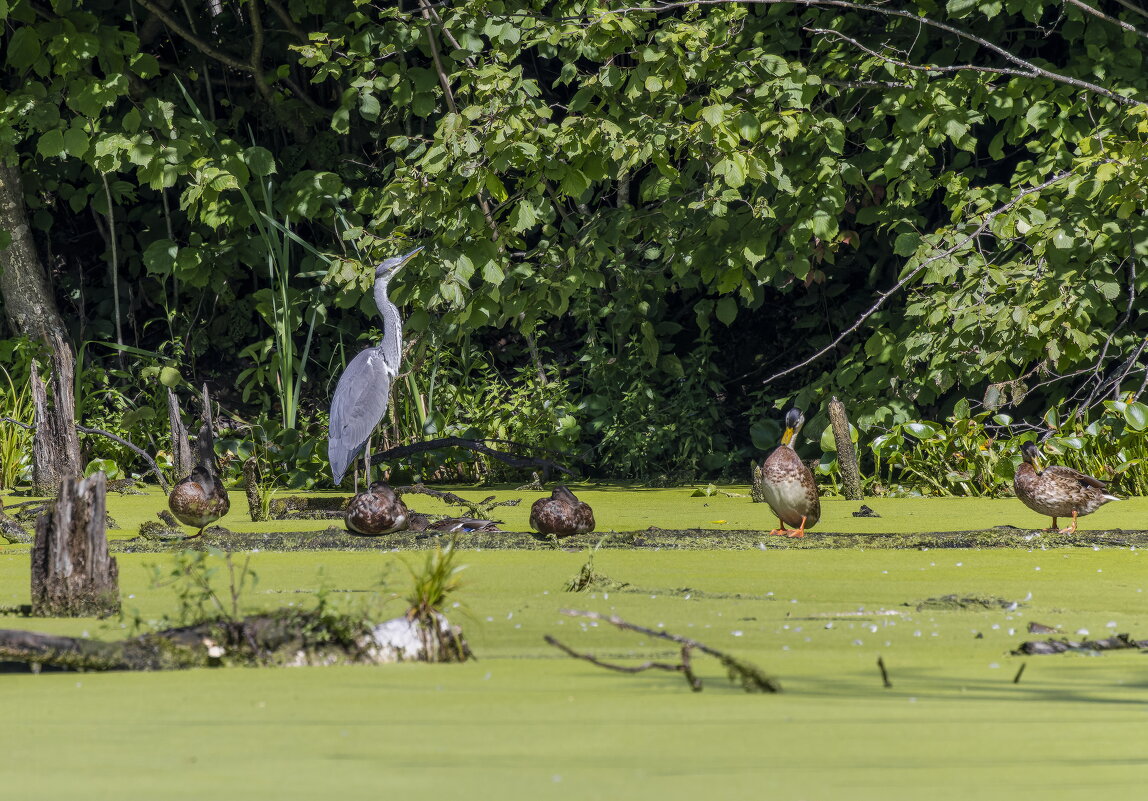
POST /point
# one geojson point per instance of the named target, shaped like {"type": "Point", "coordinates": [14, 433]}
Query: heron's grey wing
{"type": "Point", "coordinates": [359, 404]}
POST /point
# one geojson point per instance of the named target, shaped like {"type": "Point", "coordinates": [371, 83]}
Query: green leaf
{"type": "Point", "coordinates": [726, 310]}
{"type": "Point", "coordinates": [51, 143]}
{"type": "Point", "coordinates": [76, 142]}
{"type": "Point", "coordinates": [1137, 415]}
{"type": "Point", "coordinates": [921, 430]}
{"type": "Point", "coordinates": [259, 160]}
{"type": "Point", "coordinates": [713, 115]}
{"type": "Point", "coordinates": [24, 47]}
{"type": "Point", "coordinates": [906, 244]}
{"type": "Point", "coordinates": [170, 377]}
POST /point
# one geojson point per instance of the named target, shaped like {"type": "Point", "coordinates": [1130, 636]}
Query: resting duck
{"type": "Point", "coordinates": [378, 510]}
{"type": "Point", "coordinates": [200, 498]}
{"type": "Point", "coordinates": [1057, 491]}
{"type": "Point", "coordinates": [562, 514]}
{"type": "Point", "coordinates": [788, 484]}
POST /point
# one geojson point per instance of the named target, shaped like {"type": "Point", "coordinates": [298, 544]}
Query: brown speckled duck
{"type": "Point", "coordinates": [562, 514]}
{"type": "Point", "coordinates": [378, 510]}
{"type": "Point", "coordinates": [1057, 491]}
{"type": "Point", "coordinates": [200, 498]}
{"type": "Point", "coordinates": [788, 485]}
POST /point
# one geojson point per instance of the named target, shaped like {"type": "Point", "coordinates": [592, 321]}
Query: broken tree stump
{"type": "Point", "coordinates": [181, 458]}
{"type": "Point", "coordinates": [846, 455]}
{"type": "Point", "coordinates": [251, 487]}
{"type": "Point", "coordinates": [72, 573]}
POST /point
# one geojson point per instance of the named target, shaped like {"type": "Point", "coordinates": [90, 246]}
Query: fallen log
{"type": "Point", "coordinates": [284, 638]}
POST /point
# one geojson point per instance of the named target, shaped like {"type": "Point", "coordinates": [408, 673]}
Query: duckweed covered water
{"type": "Point", "coordinates": [527, 722]}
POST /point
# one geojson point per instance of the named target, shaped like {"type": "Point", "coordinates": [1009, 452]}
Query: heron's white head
{"type": "Point", "coordinates": [388, 268]}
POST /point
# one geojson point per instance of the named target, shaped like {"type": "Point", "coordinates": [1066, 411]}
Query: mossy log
{"type": "Point", "coordinates": [339, 539]}
{"type": "Point", "coordinates": [284, 638]}
{"type": "Point", "coordinates": [73, 574]}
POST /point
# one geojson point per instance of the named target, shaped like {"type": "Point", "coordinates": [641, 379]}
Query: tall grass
{"type": "Point", "coordinates": [15, 440]}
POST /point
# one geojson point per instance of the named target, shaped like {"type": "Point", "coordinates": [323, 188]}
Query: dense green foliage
{"type": "Point", "coordinates": [667, 208]}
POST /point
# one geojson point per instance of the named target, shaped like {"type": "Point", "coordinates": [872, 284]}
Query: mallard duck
{"type": "Point", "coordinates": [378, 510]}
{"type": "Point", "coordinates": [788, 485]}
{"type": "Point", "coordinates": [562, 514]}
{"type": "Point", "coordinates": [200, 498]}
{"type": "Point", "coordinates": [1057, 491]}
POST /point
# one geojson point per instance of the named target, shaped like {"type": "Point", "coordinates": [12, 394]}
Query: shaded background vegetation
{"type": "Point", "coordinates": [636, 222]}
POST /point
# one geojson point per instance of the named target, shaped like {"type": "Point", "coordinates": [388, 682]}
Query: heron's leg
{"type": "Point", "coordinates": [367, 464]}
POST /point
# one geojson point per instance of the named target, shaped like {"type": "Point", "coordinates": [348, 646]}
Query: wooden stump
{"type": "Point", "coordinates": [181, 458]}
{"type": "Point", "coordinates": [846, 455]}
{"type": "Point", "coordinates": [251, 485]}
{"type": "Point", "coordinates": [72, 573]}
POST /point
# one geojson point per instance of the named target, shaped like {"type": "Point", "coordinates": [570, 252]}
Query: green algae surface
{"type": "Point", "coordinates": [729, 509]}
{"type": "Point", "coordinates": [524, 721]}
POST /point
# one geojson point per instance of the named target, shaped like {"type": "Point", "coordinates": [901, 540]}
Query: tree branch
{"type": "Point", "coordinates": [891, 12]}
{"type": "Point", "coordinates": [750, 677]}
{"type": "Point", "coordinates": [478, 446]}
{"type": "Point", "coordinates": [888, 293]}
{"type": "Point", "coordinates": [1121, 24]}
{"type": "Point", "coordinates": [917, 67]}
{"type": "Point", "coordinates": [143, 454]}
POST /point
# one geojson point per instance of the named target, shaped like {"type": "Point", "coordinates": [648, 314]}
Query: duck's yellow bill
{"type": "Point", "coordinates": [787, 437]}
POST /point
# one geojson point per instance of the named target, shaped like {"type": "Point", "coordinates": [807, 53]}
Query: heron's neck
{"type": "Point", "coordinates": [392, 343]}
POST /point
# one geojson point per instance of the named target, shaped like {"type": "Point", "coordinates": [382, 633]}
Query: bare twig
{"type": "Point", "coordinates": [884, 672]}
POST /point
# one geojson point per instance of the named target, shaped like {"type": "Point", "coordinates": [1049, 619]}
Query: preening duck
{"type": "Point", "coordinates": [200, 499]}
{"type": "Point", "coordinates": [378, 510]}
{"type": "Point", "coordinates": [562, 514]}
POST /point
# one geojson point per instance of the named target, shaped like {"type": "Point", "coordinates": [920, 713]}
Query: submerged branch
{"type": "Point", "coordinates": [749, 676]}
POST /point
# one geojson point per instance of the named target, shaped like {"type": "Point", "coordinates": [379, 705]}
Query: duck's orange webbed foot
{"type": "Point", "coordinates": [1071, 529]}
{"type": "Point", "coordinates": [799, 532]}
{"type": "Point", "coordinates": [781, 530]}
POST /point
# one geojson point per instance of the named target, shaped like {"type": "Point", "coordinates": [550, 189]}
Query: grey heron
{"type": "Point", "coordinates": [364, 388]}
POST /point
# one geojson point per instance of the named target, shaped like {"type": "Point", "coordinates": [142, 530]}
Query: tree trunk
{"type": "Point", "coordinates": [72, 573]}
{"type": "Point", "coordinates": [31, 311]}
{"type": "Point", "coordinates": [180, 447]}
{"type": "Point", "coordinates": [251, 484]}
{"type": "Point", "coordinates": [846, 455]}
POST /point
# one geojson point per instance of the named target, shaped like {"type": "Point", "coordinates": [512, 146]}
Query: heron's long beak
{"type": "Point", "coordinates": [409, 256]}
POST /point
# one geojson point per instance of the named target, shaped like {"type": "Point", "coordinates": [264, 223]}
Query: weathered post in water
{"type": "Point", "coordinates": [181, 458]}
{"type": "Point", "coordinates": [846, 455]}
{"type": "Point", "coordinates": [72, 573]}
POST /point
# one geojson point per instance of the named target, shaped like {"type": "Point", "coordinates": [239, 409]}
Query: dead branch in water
{"type": "Point", "coordinates": [752, 680]}
{"type": "Point", "coordinates": [475, 508]}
